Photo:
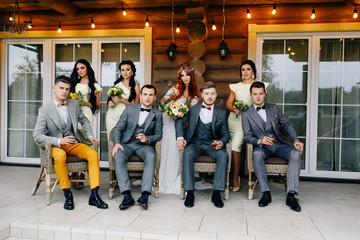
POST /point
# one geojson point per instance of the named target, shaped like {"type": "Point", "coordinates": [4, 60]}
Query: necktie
{"type": "Point", "coordinates": [147, 110]}
{"type": "Point", "coordinates": [208, 108]}
{"type": "Point", "coordinates": [62, 104]}
{"type": "Point", "coordinates": [258, 108]}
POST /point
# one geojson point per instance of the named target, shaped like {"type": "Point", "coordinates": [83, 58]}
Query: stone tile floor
{"type": "Point", "coordinates": [329, 211]}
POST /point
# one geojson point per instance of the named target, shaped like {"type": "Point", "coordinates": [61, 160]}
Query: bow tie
{"type": "Point", "coordinates": [62, 104]}
{"type": "Point", "coordinates": [258, 108]}
{"type": "Point", "coordinates": [147, 110]}
{"type": "Point", "coordinates": [208, 108]}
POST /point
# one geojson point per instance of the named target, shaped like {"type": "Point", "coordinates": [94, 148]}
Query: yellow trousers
{"type": "Point", "coordinates": [81, 150]}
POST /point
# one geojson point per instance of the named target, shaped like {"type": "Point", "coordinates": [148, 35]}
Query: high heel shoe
{"type": "Point", "coordinates": [236, 189]}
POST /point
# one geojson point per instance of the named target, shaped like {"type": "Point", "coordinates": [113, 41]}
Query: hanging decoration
{"type": "Point", "coordinates": [223, 48]}
{"type": "Point", "coordinates": [172, 48]}
{"type": "Point", "coordinates": [16, 29]}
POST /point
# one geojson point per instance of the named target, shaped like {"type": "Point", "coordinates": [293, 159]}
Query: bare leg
{"type": "Point", "coordinates": [235, 166]}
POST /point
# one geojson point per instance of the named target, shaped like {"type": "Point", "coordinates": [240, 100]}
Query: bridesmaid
{"type": "Point", "coordinates": [239, 91]}
{"type": "Point", "coordinates": [184, 91]}
{"type": "Point", "coordinates": [131, 94]}
{"type": "Point", "coordinates": [83, 80]}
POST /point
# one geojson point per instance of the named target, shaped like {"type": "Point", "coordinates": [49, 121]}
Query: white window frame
{"type": "Point", "coordinates": [49, 39]}
{"type": "Point", "coordinates": [315, 32]}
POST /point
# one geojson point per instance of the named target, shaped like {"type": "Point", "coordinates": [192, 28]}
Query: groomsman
{"type": "Point", "coordinates": [207, 134]}
{"type": "Point", "coordinates": [261, 123]}
{"type": "Point", "coordinates": [136, 132]}
{"type": "Point", "coordinates": [57, 124]}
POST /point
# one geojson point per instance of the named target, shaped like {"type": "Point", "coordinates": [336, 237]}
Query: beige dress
{"type": "Point", "coordinates": [113, 114]}
{"type": "Point", "coordinates": [242, 92]}
{"type": "Point", "coordinates": [85, 90]}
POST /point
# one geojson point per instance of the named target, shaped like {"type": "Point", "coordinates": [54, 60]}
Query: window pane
{"type": "Point", "coordinates": [351, 122]}
{"type": "Point", "coordinates": [83, 51]}
{"type": "Point", "coordinates": [350, 156]}
{"type": "Point", "coordinates": [331, 55]}
{"type": "Point", "coordinates": [110, 54]}
{"type": "Point", "coordinates": [297, 116]}
{"type": "Point", "coordinates": [34, 86]}
{"type": "Point", "coordinates": [15, 146]}
{"type": "Point", "coordinates": [329, 121]}
{"type": "Point", "coordinates": [328, 155]}
{"type": "Point", "coordinates": [273, 55]}
{"type": "Point", "coordinates": [352, 87]}
{"type": "Point", "coordinates": [131, 51]}
{"type": "Point", "coordinates": [16, 85]}
{"type": "Point", "coordinates": [32, 150]}
{"type": "Point", "coordinates": [32, 110]}
{"type": "Point", "coordinates": [296, 87]}
{"type": "Point", "coordinates": [330, 88]}
{"type": "Point", "coordinates": [275, 88]}
{"type": "Point", "coordinates": [352, 54]}
{"type": "Point", "coordinates": [296, 55]}
{"type": "Point", "coordinates": [16, 115]}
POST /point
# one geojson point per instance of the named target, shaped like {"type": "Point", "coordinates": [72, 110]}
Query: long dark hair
{"type": "Point", "coordinates": [132, 78]}
{"type": "Point", "coordinates": [252, 65]}
{"type": "Point", "coordinates": [185, 66]}
{"type": "Point", "coordinates": [75, 79]}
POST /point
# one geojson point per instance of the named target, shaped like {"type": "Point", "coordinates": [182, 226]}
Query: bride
{"type": "Point", "coordinates": [184, 91]}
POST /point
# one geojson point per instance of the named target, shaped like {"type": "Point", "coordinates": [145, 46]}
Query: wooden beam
{"type": "Point", "coordinates": [64, 6]}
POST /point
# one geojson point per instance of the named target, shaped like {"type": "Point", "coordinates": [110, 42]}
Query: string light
{"type": "Point", "coordinates": [178, 27]}
{"type": "Point", "coordinates": [248, 15]}
{"type": "Point", "coordinates": [313, 13]}
{"type": "Point", "coordinates": [92, 23]}
{"type": "Point", "coordinates": [213, 24]}
{"type": "Point", "coordinates": [123, 10]}
{"type": "Point", "coordinates": [10, 17]}
{"type": "Point", "coordinates": [59, 29]}
{"type": "Point", "coordinates": [30, 24]}
{"type": "Point", "coordinates": [147, 21]}
{"type": "Point", "coordinates": [274, 9]}
{"type": "Point", "coordinates": [355, 15]}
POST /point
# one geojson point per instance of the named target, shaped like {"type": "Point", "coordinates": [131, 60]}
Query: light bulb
{"type": "Point", "coordinates": [59, 29]}
{"type": "Point", "coordinates": [147, 22]}
{"type": "Point", "coordinates": [213, 25]}
{"type": "Point", "coordinates": [313, 13]}
{"type": "Point", "coordinates": [248, 15]}
{"type": "Point", "coordinates": [92, 23]}
{"type": "Point", "coordinates": [178, 27]}
{"type": "Point", "coordinates": [10, 17]}
{"type": "Point", "coordinates": [274, 10]}
{"type": "Point", "coordinates": [30, 24]}
{"type": "Point", "coordinates": [123, 10]}
{"type": "Point", "coordinates": [355, 15]}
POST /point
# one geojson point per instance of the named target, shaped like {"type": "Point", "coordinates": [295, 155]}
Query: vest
{"type": "Point", "coordinates": [66, 128]}
{"type": "Point", "coordinates": [138, 129]}
{"type": "Point", "coordinates": [269, 131]}
{"type": "Point", "coordinates": [203, 133]}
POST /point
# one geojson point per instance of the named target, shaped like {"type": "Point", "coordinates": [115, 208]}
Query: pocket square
{"type": "Point", "coordinates": [275, 116]}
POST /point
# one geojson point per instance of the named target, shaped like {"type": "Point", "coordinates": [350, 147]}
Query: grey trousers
{"type": "Point", "coordinates": [193, 151]}
{"type": "Point", "coordinates": [279, 150]}
{"type": "Point", "coordinates": [147, 154]}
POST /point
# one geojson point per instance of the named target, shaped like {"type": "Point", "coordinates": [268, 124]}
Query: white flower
{"type": "Point", "coordinates": [175, 111]}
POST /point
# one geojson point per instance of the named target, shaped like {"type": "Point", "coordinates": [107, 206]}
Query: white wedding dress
{"type": "Point", "coordinates": [169, 174]}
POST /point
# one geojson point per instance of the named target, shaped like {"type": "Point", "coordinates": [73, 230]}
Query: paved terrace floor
{"type": "Point", "coordinates": [329, 211]}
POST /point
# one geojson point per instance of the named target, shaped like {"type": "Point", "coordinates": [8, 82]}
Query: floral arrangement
{"type": "Point", "coordinates": [115, 91]}
{"type": "Point", "coordinates": [239, 104]}
{"type": "Point", "coordinates": [77, 96]}
{"type": "Point", "coordinates": [174, 109]}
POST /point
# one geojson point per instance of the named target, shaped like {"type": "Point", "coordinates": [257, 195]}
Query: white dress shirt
{"type": "Point", "coordinates": [62, 110]}
{"type": "Point", "coordinates": [143, 115]}
{"type": "Point", "coordinates": [261, 112]}
{"type": "Point", "coordinates": [206, 114]}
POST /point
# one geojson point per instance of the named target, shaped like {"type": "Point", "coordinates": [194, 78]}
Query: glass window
{"type": "Point", "coordinates": [25, 64]}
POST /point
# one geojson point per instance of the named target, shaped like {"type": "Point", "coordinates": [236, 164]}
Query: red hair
{"type": "Point", "coordinates": [185, 66]}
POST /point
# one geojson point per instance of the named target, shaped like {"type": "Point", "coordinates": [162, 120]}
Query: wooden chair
{"type": "Point", "coordinates": [274, 165]}
{"type": "Point", "coordinates": [205, 164]}
{"type": "Point", "coordinates": [74, 164]}
{"type": "Point", "coordinates": [134, 164]}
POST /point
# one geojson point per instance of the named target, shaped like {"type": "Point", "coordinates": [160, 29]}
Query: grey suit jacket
{"type": "Point", "coordinates": [219, 123]}
{"type": "Point", "coordinates": [125, 127]}
{"type": "Point", "coordinates": [253, 128]}
{"type": "Point", "coordinates": [48, 126]}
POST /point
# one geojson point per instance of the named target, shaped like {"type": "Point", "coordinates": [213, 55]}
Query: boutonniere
{"type": "Point", "coordinates": [275, 116]}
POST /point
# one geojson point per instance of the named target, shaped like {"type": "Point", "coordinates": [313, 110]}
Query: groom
{"type": "Point", "coordinates": [206, 134]}
{"type": "Point", "coordinates": [260, 124]}
{"type": "Point", "coordinates": [136, 132]}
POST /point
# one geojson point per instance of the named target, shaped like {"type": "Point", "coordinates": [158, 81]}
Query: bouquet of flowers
{"type": "Point", "coordinates": [77, 96]}
{"type": "Point", "coordinates": [174, 109]}
{"type": "Point", "coordinates": [239, 104]}
{"type": "Point", "coordinates": [115, 91]}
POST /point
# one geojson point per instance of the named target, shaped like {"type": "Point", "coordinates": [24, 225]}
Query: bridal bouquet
{"type": "Point", "coordinates": [77, 96]}
{"type": "Point", "coordinates": [115, 91]}
{"type": "Point", "coordinates": [174, 109]}
{"type": "Point", "coordinates": [239, 104]}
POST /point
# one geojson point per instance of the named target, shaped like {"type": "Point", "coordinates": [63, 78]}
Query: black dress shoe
{"type": "Point", "coordinates": [216, 199]}
{"type": "Point", "coordinates": [97, 202]}
{"type": "Point", "coordinates": [265, 199]}
{"type": "Point", "coordinates": [189, 200]}
{"type": "Point", "coordinates": [292, 202]}
{"type": "Point", "coordinates": [143, 201]}
{"type": "Point", "coordinates": [69, 202]}
{"type": "Point", "coordinates": [127, 201]}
